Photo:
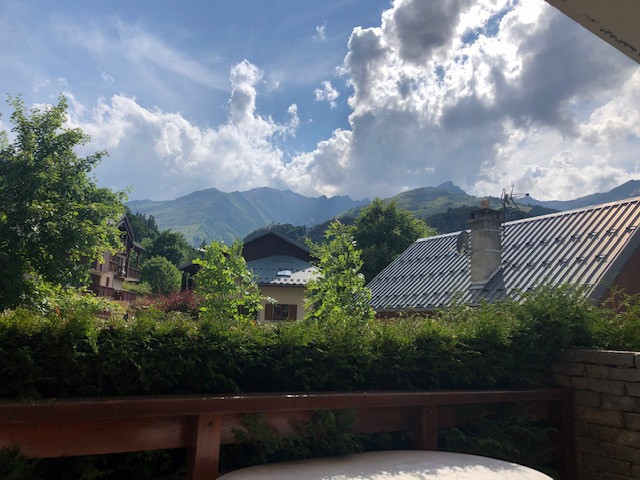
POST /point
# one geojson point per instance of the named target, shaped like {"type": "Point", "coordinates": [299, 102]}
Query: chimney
{"type": "Point", "coordinates": [486, 244]}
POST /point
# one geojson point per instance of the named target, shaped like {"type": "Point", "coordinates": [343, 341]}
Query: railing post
{"type": "Point", "coordinates": [204, 452]}
{"type": "Point", "coordinates": [426, 433]}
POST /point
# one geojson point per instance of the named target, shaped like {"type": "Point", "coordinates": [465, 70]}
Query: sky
{"type": "Point", "coordinates": [364, 98]}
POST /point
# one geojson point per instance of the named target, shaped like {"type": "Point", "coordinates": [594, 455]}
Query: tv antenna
{"type": "Point", "coordinates": [508, 199]}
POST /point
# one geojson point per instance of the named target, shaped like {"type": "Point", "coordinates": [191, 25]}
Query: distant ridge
{"type": "Point", "coordinates": [626, 190]}
{"type": "Point", "coordinates": [211, 214]}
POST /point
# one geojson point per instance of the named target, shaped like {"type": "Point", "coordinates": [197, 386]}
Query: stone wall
{"type": "Point", "coordinates": [606, 412]}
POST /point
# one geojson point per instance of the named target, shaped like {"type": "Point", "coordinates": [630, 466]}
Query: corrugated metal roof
{"type": "Point", "coordinates": [266, 270]}
{"type": "Point", "coordinates": [584, 247]}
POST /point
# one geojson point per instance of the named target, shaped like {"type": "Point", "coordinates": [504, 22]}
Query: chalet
{"type": "Point", "coordinates": [281, 268]}
{"type": "Point", "coordinates": [107, 277]}
{"type": "Point", "coordinates": [595, 248]}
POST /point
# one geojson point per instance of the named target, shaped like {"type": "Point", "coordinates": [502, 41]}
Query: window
{"type": "Point", "coordinates": [106, 281]}
{"type": "Point", "coordinates": [278, 312]}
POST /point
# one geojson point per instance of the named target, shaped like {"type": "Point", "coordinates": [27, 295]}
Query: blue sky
{"type": "Point", "coordinates": [358, 97]}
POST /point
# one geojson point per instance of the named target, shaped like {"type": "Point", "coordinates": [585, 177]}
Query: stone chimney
{"type": "Point", "coordinates": [486, 244]}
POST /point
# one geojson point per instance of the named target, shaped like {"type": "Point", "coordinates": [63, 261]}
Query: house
{"type": "Point", "coordinates": [281, 268]}
{"type": "Point", "coordinates": [595, 248]}
{"type": "Point", "coordinates": [107, 277]}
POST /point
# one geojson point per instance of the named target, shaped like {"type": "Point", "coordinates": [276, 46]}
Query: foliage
{"type": "Point", "coordinates": [54, 220]}
{"type": "Point", "coordinates": [161, 275]}
{"type": "Point", "coordinates": [227, 287]}
{"type": "Point", "coordinates": [47, 299]}
{"type": "Point", "coordinates": [186, 302]}
{"type": "Point", "coordinates": [141, 289]}
{"type": "Point", "coordinates": [326, 433]}
{"type": "Point", "coordinates": [339, 291]}
{"type": "Point", "coordinates": [505, 431]}
{"type": "Point", "coordinates": [142, 226]}
{"type": "Point", "coordinates": [383, 231]}
{"type": "Point", "coordinates": [172, 246]}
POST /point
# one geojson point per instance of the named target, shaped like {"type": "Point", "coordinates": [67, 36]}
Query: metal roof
{"type": "Point", "coordinates": [266, 270]}
{"type": "Point", "coordinates": [585, 247]}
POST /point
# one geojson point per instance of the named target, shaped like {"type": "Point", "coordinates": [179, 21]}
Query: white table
{"type": "Point", "coordinates": [391, 465]}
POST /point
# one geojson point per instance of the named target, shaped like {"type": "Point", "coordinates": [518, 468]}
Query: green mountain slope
{"type": "Point", "coordinates": [214, 215]}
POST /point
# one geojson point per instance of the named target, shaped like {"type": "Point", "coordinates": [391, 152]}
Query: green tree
{"type": "Point", "coordinates": [161, 275]}
{"type": "Point", "coordinates": [172, 246]}
{"type": "Point", "coordinates": [383, 231]}
{"type": "Point", "coordinates": [226, 285]}
{"type": "Point", "coordinates": [340, 290]}
{"type": "Point", "coordinates": [54, 220]}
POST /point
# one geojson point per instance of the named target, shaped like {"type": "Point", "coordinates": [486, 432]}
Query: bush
{"type": "Point", "coordinates": [492, 346]}
{"type": "Point", "coordinates": [185, 302]}
{"type": "Point", "coordinates": [161, 275]}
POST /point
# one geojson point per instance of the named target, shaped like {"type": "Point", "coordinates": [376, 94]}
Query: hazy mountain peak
{"type": "Point", "coordinates": [451, 187]}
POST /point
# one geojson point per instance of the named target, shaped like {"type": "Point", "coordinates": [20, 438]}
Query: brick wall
{"type": "Point", "coordinates": [606, 412]}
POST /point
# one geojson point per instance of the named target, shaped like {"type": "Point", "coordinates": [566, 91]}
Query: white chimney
{"type": "Point", "coordinates": [486, 244]}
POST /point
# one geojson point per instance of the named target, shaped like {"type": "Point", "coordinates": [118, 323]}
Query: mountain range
{"type": "Point", "coordinates": [210, 214]}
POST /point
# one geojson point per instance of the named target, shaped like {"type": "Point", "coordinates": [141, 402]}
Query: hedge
{"type": "Point", "coordinates": [507, 345]}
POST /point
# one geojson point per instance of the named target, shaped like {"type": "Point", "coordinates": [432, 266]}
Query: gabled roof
{"type": "Point", "coordinates": [585, 247]}
{"type": "Point", "coordinates": [293, 271]}
{"type": "Point", "coordinates": [265, 243]}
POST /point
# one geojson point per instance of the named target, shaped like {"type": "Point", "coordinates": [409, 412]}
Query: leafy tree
{"type": "Point", "coordinates": [142, 226]}
{"type": "Point", "coordinates": [162, 276]}
{"type": "Point", "coordinates": [54, 220]}
{"type": "Point", "coordinates": [383, 231]}
{"type": "Point", "coordinates": [172, 246]}
{"type": "Point", "coordinates": [339, 291]}
{"type": "Point", "coordinates": [226, 285]}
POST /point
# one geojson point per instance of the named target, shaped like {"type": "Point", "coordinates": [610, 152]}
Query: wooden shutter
{"type": "Point", "coordinates": [268, 311]}
{"type": "Point", "coordinates": [293, 312]}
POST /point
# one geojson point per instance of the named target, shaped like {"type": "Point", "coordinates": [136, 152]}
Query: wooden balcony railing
{"type": "Point", "coordinates": [105, 291]}
{"type": "Point", "coordinates": [124, 295]}
{"type": "Point", "coordinates": [133, 273]}
{"type": "Point", "coordinates": [202, 423]}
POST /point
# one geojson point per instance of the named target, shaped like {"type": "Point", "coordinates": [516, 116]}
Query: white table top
{"type": "Point", "coordinates": [391, 465]}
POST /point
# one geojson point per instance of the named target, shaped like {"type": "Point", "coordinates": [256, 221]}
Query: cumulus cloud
{"type": "Point", "coordinates": [164, 155]}
{"type": "Point", "coordinates": [482, 93]}
{"type": "Point", "coordinates": [327, 94]}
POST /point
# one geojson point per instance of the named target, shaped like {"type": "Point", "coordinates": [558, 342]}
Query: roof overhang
{"type": "Point", "coordinates": [616, 22]}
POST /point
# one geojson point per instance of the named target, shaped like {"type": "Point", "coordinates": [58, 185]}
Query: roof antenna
{"type": "Point", "coordinates": [508, 199]}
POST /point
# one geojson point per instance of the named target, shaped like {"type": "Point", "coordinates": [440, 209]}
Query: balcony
{"type": "Point", "coordinates": [123, 295]}
{"type": "Point", "coordinates": [133, 273]}
{"type": "Point", "coordinates": [113, 266]}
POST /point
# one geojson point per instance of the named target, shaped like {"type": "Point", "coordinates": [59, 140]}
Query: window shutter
{"type": "Point", "coordinates": [293, 312]}
{"type": "Point", "coordinates": [268, 311]}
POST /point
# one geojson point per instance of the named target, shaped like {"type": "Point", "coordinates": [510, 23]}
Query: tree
{"type": "Point", "coordinates": [226, 285]}
{"type": "Point", "coordinates": [162, 276]}
{"type": "Point", "coordinates": [54, 220]}
{"type": "Point", "coordinates": [172, 246]}
{"type": "Point", "coordinates": [383, 231]}
{"type": "Point", "coordinates": [339, 292]}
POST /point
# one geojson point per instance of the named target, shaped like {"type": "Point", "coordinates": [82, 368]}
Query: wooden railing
{"type": "Point", "coordinates": [133, 273]}
{"type": "Point", "coordinates": [203, 423]}
{"type": "Point", "coordinates": [105, 291]}
{"type": "Point", "coordinates": [124, 295]}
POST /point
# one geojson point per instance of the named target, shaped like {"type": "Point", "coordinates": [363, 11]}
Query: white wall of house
{"type": "Point", "coordinates": [283, 295]}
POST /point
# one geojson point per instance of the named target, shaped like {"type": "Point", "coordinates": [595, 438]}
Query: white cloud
{"type": "Point", "coordinates": [164, 155]}
{"type": "Point", "coordinates": [480, 93]}
{"type": "Point", "coordinates": [321, 32]}
{"type": "Point", "coordinates": [326, 94]}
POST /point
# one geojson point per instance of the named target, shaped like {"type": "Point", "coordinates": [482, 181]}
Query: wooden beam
{"type": "Point", "coordinates": [204, 451]}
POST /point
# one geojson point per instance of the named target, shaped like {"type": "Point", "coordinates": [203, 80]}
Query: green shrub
{"type": "Point", "coordinates": [161, 275]}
